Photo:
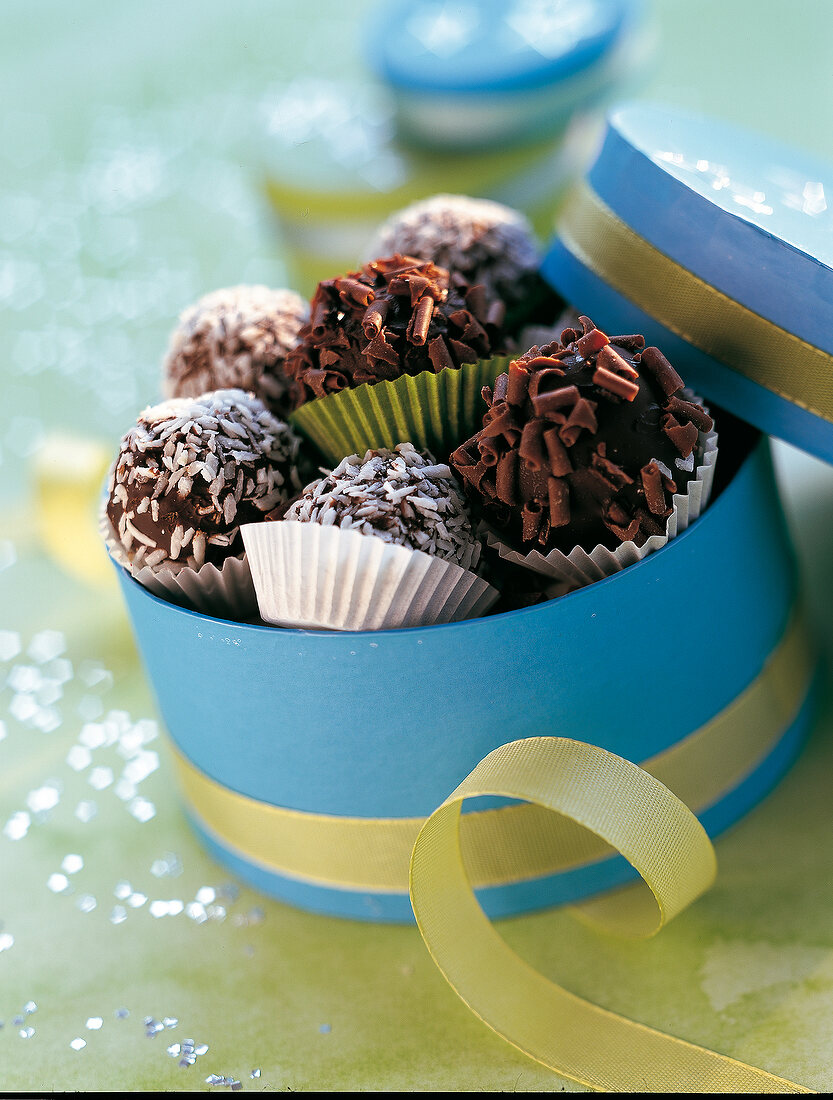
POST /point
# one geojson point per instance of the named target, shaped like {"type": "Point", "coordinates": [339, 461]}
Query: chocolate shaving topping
{"type": "Point", "coordinates": [667, 378]}
{"type": "Point", "coordinates": [395, 316]}
{"type": "Point", "coordinates": [578, 441]}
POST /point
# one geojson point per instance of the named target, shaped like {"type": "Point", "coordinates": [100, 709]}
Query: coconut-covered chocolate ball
{"type": "Point", "coordinates": [236, 338]}
{"type": "Point", "coordinates": [191, 470]}
{"type": "Point", "coordinates": [484, 241]}
{"type": "Point", "coordinates": [585, 441]}
{"type": "Point", "coordinates": [395, 316]}
{"type": "Point", "coordinates": [401, 496]}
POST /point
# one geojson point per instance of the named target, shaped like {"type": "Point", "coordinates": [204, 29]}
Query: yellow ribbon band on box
{"type": "Point", "coordinates": [516, 842]}
{"type": "Point", "coordinates": [578, 803]}
{"type": "Point", "coordinates": [693, 309]}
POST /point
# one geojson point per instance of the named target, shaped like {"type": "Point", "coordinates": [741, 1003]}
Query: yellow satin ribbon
{"type": "Point", "coordinates": [693, 309]}
{"type": "Point", "coordinates": [516, 842]}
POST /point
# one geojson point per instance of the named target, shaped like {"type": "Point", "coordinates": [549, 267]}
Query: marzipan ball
{"type": "Point", "coordinates": [585, 441]}
{"type": "Point", "coordinates": [395, 316]}
{"type": "Point", "coordinates": [191, 471]}
{"type": "Point", "coordinates": [401, 496]}
{"type": "Point", "coordinates": [236, 338]}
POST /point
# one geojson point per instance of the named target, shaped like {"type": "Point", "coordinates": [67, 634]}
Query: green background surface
{"type": "Point", "coordinates": [131, 154]}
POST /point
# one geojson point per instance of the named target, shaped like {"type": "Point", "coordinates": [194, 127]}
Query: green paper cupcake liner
{"type": "Point", "coordinates": [434, 412]}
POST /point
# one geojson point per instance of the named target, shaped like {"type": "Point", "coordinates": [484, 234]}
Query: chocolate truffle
{"type": "Point", "coordinates": [585, 441]}
{"type": "Point", "coordinates": [191, 471]}
{"type": "Point", "coordinates": [236, 338]}
{"type": "Point", "coordinates": [485, 242]}
{"type": "Point", "coordinates": [401, 496]}
{"type": "Point", "coordinates": [395, 316]}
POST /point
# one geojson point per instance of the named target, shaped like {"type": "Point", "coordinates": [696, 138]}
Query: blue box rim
{"type": "Point", "coordinates": [575, 596]}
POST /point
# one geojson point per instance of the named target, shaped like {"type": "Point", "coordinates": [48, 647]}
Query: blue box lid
{"type": "Point", "coordinates": [486, 46]}
{"type": "Point", "coordinates": [716, 243]}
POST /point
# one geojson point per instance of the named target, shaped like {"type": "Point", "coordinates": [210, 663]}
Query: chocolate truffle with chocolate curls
{"type": "Point", "coordinates": [237, 338]}
{"type": "Point", "coordinates": [395, 316]}
{"type": "Point", "coordinates": [191, 471]}
{"type": "Point", "coordinates": [585, 441]}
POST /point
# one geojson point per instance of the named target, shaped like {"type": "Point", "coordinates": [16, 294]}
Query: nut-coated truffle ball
{"type": "Point", "coordinates": [191, 471]}
{"type": "Point", "coordinates": [484, 241]}
{"type": "Point", "coordinates": [236, 338]}
{"type": "Point", "coordinates": [401, 496]}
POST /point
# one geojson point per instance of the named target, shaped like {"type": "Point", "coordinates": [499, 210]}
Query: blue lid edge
{"type": "Point", "coordinates": [785, 284]}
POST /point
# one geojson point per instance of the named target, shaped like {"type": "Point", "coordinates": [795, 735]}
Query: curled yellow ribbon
{"type": "Point", "coordinates": [637, 815]}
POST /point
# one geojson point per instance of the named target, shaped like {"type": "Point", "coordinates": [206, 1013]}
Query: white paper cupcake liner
{"type": "Point", "coordinates": [226, 592]}
{"type": "Point", "coordinates": [581, 567]}
{"type": "Point", "coordinates": [323, 578]}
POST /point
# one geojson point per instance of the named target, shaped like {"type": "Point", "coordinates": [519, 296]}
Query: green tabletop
{"type": "Point", "coordinates": [130, 170]}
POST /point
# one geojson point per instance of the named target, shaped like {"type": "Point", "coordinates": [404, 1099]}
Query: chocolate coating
{"type": "Point", "coordinates": [191, 471]}
{"type": "Point", "coordinates": [236, 338]}
{"type": "Point", "coordinates": [585, 441]}
{"type": "Point", "coordinates": [395, 316]}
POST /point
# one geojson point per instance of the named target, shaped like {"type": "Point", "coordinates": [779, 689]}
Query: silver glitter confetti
{"type": "Point", "coordinates": [44, 798]}
{"type": "Point", "coordinates": [79, 757]}
{"type": "Point", "coordinates": [17, 826]}
{"type": "Point", "coordinates": [142, 809]}
{"type": "Point", "coordinates": [101, 777]}
{"type": "Point", "coordinates": [9, 645]}
{"type": "Point", "coordinates": [46, 646]}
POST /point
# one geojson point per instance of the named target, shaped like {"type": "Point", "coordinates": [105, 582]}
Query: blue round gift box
{"type": "Point", "coordinates": [386, 724]}
{"type": "Point", "coordinates": [498, 72]}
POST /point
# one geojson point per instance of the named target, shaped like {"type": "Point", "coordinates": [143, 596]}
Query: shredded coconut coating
{"type": "Point", "coordinates": [401, 496]}
{"type": "Point", "coordinates": [237, 337]}
{"type": "Point", "coordinates": [486, 242]}
{"type": "Point", "coordinates": [191, 471]}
